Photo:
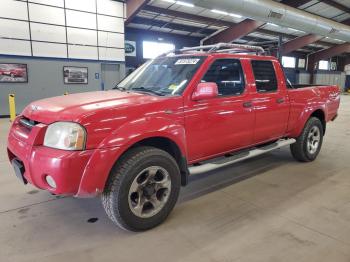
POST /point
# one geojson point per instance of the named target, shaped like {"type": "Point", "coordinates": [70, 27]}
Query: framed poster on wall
{"type": "Point", "coordinates": [13, 73]}
{"type": "Point", "coordinates": [75, 75]}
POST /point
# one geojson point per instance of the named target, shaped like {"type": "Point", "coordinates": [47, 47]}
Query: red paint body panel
{"type": "Point", "coordinates": [203, 129]}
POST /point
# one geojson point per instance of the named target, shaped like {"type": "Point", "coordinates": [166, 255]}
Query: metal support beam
{"type": "Point", "coordinates": [327, 53]}
{"type": "Point", "coordinates": [346, 22]}
{"type": "Point", "coordinates": [298, 42]}
{"type": "Point", "coordinates": [133, 7]}
{"type": "Point", "coordinates": [279, 54]}
{"type": "Point", "coordinates": [336, 5]}
{"type": "Point", "coordinates": [235, 32]}
{"type": "Point", "coordinates": [294, 3]}
{"type": "Point", "coordinates": [212, 21]}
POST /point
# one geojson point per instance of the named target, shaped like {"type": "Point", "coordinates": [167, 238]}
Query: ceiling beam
{"type": "Point", "coordinates": [298, 43]}
{"type": "Point", "coordinates": [295, 3]}
{"type": "Point", "coordinates": [215, 22]}
{"type": "Point", "coordinates": [133, 7]}
{"type": "Point", "coordinates": [336, 5]}
{"type": "Point", "coordinates": [346, 22]}
{"type": "Point", "coordinates": [234, 32]}
{"type": "Point", "coordinates": [327, 53]}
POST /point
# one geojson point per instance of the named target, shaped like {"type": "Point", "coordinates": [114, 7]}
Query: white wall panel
{"type": "Point", "coordinates": [50, 33]}
{"type": "Point", "coordinates": [14, 47]}
{"type": "Point", "coordinates": [108, 7]}
{"type": "Point", "coordinates": [46, 14]}
{"type": "Point", "coordinates": [49, 49]}
{"type": "Point", "coordinates": [49, 2]}
{"type": "Point", "coordinates": [111, 54]}
{"type": "Point", "coordinates": [83, 5]}
{"type": "Point", "coordinates": [82, 52]}
{"type": "Point", "coordinates": [14, 29]}
{"type": "Point", "coordinates": [113, 24]}
{"type": "Point", "coordinates": [110, 39]}
{"type": "Point", "coordinates": [81, 36]}
{"type": "Point", "coordinates": [80, 19]}
{"type": "Point", "coordinates": [13, 9]}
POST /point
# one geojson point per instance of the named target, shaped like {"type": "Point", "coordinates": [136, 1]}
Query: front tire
{"type": "Point", "coordinates": [309, 143]}
{"type": "Point", "coordinates": [142, 189]}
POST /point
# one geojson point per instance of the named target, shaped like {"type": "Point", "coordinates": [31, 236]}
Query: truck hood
{"type": "Point", "coordinates": [77, 106]}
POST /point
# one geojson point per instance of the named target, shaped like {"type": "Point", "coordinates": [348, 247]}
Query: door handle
{"type": "Point", "coordinates": [279, 100]}
{"type": "Point", "coordinates": [247, 104]}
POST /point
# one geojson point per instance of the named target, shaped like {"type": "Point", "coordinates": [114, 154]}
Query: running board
{"type": "Point", "coordinates": [240, 156]}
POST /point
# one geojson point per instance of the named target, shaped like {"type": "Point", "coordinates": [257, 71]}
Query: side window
{"type": "Point", "coordinates": [228, 75]}
{"type": "Point", "coordinates": [265, 76]}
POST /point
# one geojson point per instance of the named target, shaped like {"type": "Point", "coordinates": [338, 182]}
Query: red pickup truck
{"type": "Point", "coordinates": [178, 114]}
{"type": "Point", "coordinates": [13, 72]}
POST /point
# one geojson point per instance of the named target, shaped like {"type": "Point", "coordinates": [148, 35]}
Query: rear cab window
{"type": "Point", "coordinates": [228, 75]}
{"type": "Point", "coordinates": [265, 76]}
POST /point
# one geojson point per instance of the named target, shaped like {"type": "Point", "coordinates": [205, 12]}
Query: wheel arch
{"type": "Point", "coordinates": [319, 113]}
{"type": "Point", "coordinates": [169, 146]}
{"type": "Point", "coordinates": [305, 115]}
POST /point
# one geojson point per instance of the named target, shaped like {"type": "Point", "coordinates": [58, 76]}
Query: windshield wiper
{"type": "Point", "coordinates": [120, 88]}
{"type": "Point", "coordinates": [147, 90]}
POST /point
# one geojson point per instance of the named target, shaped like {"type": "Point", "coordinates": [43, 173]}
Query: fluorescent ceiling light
{"type": "Point", "coordinates": [185, 4]}
{"type": "Point", "coordinates": [296, 30]}
{"type": "Point", "coordinates": [219, 12]}
{"type": "Point", "coordinates": [271, 24]}
{"type": "Point", "coordinates": [334, 39]}
{"type": "Point", "coordinates": [169, 1]}
{"type": "Point", "coordinates": [225, 13]}
{"type": "Point", "coordinates": [234, 15]}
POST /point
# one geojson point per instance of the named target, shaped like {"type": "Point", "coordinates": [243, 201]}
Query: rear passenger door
{"type": "Point", "coordinates": [270, 102]}
{"type": "Point", "coordinates": [222, 124]}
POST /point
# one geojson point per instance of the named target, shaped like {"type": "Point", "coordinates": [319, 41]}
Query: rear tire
{"type": "Point", "coordinates": [309, 143]}
{"type": "Point", "coordinates": [142, 189]}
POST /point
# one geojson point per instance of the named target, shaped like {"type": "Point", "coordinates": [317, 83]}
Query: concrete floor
{"type": "Point", "coordinates": [270, 208]}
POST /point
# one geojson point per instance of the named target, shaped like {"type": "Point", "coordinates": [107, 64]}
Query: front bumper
{"type": "Point", "coordinates": [78, 173]}
{"type": "Point", "coordinates": [65, 167]}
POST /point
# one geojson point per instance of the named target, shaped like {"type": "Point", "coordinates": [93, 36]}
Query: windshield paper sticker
{"type": "Point", "coordinates": [189, 61]}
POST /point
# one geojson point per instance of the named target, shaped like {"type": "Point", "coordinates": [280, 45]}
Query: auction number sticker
{"type": "Point", "coordinates": [188, 61]}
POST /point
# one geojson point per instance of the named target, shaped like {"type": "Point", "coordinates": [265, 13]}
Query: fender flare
{"type": "Point", "coordinates": [118, 142]}
{"type": "Point", "coordinates": [304, 117]}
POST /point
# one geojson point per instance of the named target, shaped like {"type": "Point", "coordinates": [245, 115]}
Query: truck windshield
{"type": "Point", "coordinates": [165, 76]}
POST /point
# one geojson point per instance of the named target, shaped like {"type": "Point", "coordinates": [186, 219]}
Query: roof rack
{"type": "Point", "coordinates": [217, 48]}
{"type": "Point", "coordinates": [229, 48]}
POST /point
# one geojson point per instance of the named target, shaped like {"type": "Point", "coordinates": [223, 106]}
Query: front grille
{"type": "Point", "coordinates": [27, 123]}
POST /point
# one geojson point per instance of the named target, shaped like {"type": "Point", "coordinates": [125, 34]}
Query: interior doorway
{"type": "Point", "coordinates": [111, 74]}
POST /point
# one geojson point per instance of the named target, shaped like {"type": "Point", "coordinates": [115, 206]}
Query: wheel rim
{"type": "Point", "coordinates": [149, 191]}
{"type": "Point", "coordinates": [313, 140]}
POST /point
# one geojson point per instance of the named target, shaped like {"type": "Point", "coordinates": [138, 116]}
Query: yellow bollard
{"type": "Point", "coordinates": [12, 107]}
{"type": "Point", "coordinates": [66, 93]}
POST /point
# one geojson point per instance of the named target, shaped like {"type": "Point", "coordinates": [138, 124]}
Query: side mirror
{"type": "Point", "coordinates": [205, 91]}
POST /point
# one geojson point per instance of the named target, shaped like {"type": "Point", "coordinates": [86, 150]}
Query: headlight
{"type": "Point", "coordinates": [65, 135]}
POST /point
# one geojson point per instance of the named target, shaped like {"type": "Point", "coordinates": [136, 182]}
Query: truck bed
{"type": "Point", "coordinates": [304, 96]}
{"type": "Point", "coordinates": [304, 86]}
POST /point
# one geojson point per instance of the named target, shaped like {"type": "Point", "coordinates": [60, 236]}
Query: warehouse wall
{"type": "Point", "coordinates": [45, 79]}
{"type": "Point", "coordinates": [330, 78]}
{"type": "Point", "coordinates": [323, 78]}
{"type": "Point", "coordinates": [81, 29]}
{"type": "Point", "coordinates": [49, 34]}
